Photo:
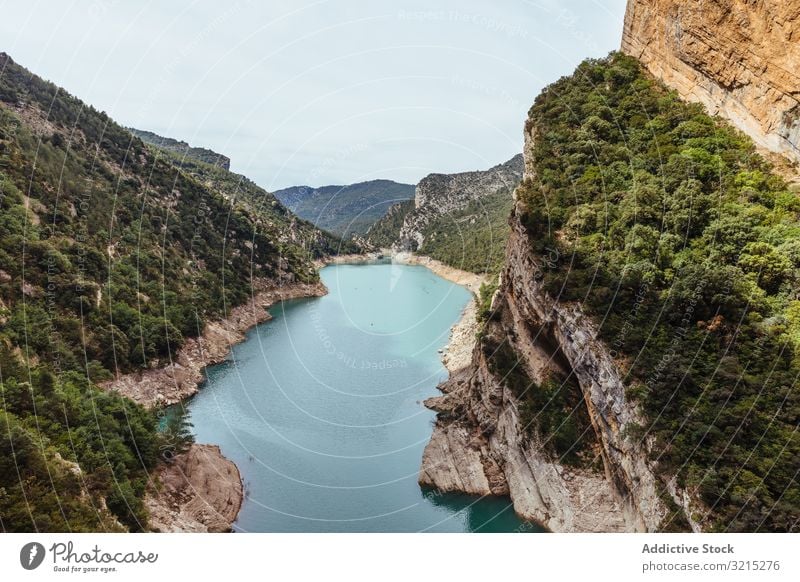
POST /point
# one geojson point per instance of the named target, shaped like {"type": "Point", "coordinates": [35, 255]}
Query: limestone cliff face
{"type": "Point", "coordinates": [437, 195]}
{"type": "Point", "coordinates": [479, 446]}
{"type": "Point", "coordinates": [739, 58]}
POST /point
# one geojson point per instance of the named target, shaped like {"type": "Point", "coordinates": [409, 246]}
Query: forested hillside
{"type": "Point", "coordinates": [110, 255]}
{"type": "Point", "coordinates": [459, 219]}
{"type": "Point", "coordinates": [669, 228]}
{"type": "Point", "coordinates": [182, 149]}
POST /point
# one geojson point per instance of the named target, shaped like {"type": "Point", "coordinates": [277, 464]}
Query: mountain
{"type": "Point", "coordinates": [636, 368]}
{"type": "Point", "coordinates": [111, 257]}
{"type": "Point", "coordinates": [459, 219]}
{"type": "Point", "coordinates": [345, 210]}
{"type": "Point", "coordinates": [386, 231]}
{"type": "Point", "coordinates": [182, 149]}
{"type": "Point", "coordinates": [284, 226]}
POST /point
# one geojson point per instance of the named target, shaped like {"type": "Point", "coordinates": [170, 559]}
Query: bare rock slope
{"type": "Point", "coordinates": [739, 58]}
{"type": "Point", "coordinates": [437, 195]}
{"type": "Point", "coordinates": [199, 491]}
{"type": "Point", "coordinates": [479, 445]}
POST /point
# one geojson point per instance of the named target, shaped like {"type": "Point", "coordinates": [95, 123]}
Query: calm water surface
{"type": "Point", "coordinates": [321, 409]}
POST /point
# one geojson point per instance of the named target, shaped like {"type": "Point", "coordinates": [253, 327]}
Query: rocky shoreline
{"type": "Point", "coordinates": [198, 491]}
{"type": "Point", "coordinates": [180, 379]}
{"type": "Point", "coordinates": [479, 446]}
{"type": "Point", "coordinates": [458, 352]}
{"type": "Point", "coordinates": [471, 281]}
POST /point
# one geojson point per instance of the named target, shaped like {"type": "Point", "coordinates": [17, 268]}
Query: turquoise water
{"type": "Point", "coordinates": [321, 409]}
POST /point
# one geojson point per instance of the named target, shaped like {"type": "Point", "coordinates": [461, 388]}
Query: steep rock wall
{"type": "Point", "coordinates": [479, 446]}
{"type": "Point", "coordinates": [739, 58]}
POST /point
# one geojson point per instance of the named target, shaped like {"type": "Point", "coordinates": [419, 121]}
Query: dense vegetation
{"type": "Point", "coordinates": [472, 238]}
{"type": "Point", "coordinates": [300, 239]}
{"type": "Point", "coordinates": [386, 231]}
{"type": "Point", "coordinates": [675, 234]}
{"type": "Point", "coordinates": [345, 210]}
{"type": "Point", "coordinates": [181, 149]}
{"type": "Point", "coordinates": [109, 257]}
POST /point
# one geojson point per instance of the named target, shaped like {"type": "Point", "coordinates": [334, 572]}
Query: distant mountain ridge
{"type": "Point", "coordinates": [345, 210]}
{"type": "Point", "coordinates": [182, 148]}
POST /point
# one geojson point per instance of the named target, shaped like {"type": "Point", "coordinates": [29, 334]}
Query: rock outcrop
{"type": "Point", "coordinates": [437, 195]}
{"type": "Point", "coordinates": [739, 58]}
{"type": "Point", "coordinates": [197, 491]}
{"type": "Point", "coordinates": [479, 445]}
{"type": "Point", "coordinates": [180, 379]}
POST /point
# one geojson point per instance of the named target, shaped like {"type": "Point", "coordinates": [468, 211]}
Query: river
{"type": "Point", "coordinates": [321, 409]}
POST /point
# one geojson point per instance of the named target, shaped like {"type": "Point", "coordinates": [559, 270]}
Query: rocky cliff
{"type": "Point", "coordinates": [581, 401]}
{"type": "Point", "coordinates": [739, 58]}
{"type": "Point", "coordinates": [481, 446]}
{"type": "Point", "coordinates": [198, 491]}
{"type": "Point", "coordinates": [438, 195]}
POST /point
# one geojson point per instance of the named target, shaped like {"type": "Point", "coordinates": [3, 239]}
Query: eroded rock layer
{"type": "Point", "coordinates": [198, 491]}
{"type": "Point", "coordinates": [480, 445]}
{"type": "Point", "coordinates": [739, 58]}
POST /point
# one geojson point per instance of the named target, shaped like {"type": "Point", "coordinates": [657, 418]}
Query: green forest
{"type": "Point", "coordinates": [472, 238]}
{"type": "Point", "coordinates": [684, 245]}
{"type": "Point", "coordinates": [111, 255]}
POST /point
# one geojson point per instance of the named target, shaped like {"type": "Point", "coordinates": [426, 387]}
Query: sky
{"type": "Point", "coordinates": [317, 92]}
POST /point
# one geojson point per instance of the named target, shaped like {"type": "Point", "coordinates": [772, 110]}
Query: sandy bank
{"type": "Point", "coordinates": [458, 352]}
{"type": "Point", "coordinates": [471, 281]}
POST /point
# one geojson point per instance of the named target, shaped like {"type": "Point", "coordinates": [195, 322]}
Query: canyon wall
{"type": "Point", "coordinates": [739, 58]}
{"type": "Point", "coordinates": [480, 446]}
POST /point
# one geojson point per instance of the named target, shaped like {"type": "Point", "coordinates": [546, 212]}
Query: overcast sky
{"type": "Point", "coordinates": [326, 92]}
